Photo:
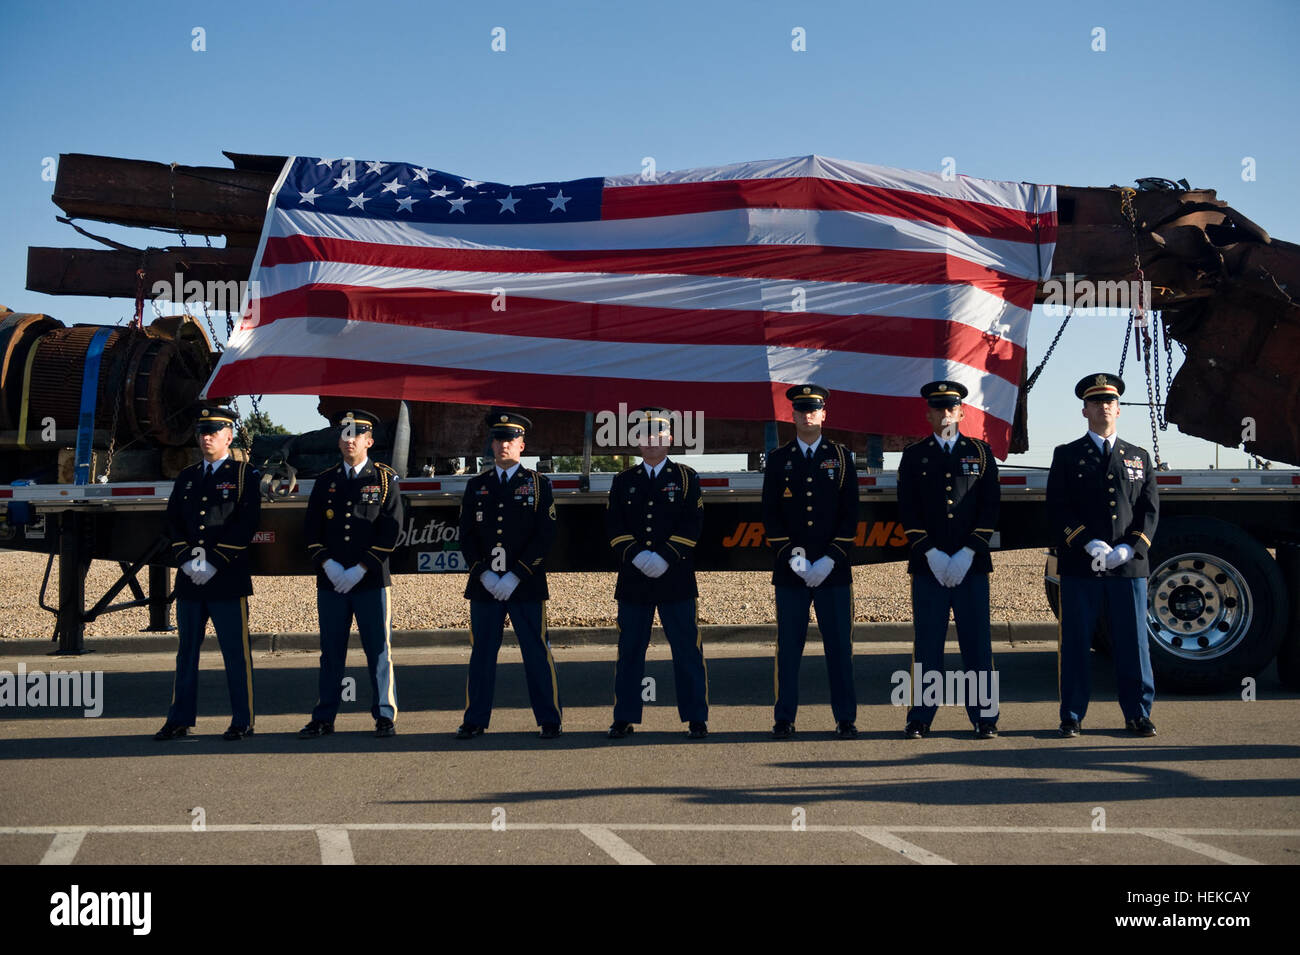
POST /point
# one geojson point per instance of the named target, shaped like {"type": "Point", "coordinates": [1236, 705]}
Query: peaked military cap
{"type": "Point", "coordinates": [360, 421]}
{"type": "Point", "coordinates": [944, 394]}
{"type": "Point", "coordinates": [506, 425]}
{"type": "Point", "coordinates": [212, 418]}
{"type": "Point", "coordinates": [657, 420]}
{"type": "Point", "coordinates": [1100, 386]}
{"type": "Point", "coordinates": [807, 397]}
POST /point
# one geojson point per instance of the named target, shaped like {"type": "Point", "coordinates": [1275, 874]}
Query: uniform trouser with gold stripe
{"type": "Point", "coordinates": [371, 609]}
{"type": "Point", "coordinates": [230, 620]}
{"type": "Point", "coordinates": [969, 602]}
{"type": "Point", "coordinates": [1123, 601]}
{"type": "Point", "coordinates": [690, 678]}
{"type": "Point", "coordinates": [487, 621]}
{"type": "Point", "coordinates": [834, 607]}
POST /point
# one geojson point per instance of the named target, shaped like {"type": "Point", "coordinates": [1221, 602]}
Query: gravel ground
{"type": "Point", "coordinates": [288, 604]}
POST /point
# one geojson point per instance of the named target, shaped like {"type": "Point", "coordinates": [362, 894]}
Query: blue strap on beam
{"type": "Point", "coordinates": [89, 393]}
{"type": "Point", "coordinates": [771, 437]}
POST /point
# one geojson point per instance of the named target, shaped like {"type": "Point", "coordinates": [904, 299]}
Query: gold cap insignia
{"type": "Point", "coordinates": [806, 390]}
{"type": "Point", "coordinates": [1100, 380]}
{"type": "Point", "coordinates": [206, 412]}
{"type": "Point", "coordinates": [505, 418]}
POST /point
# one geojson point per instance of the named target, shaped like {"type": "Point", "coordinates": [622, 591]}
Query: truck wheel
{"type": "Point", "coordinates": [1053, 596]}
{"type": "Point", "coordinates": [1288, 658]}
{"type": "Point", "coordinates": [1216, 605]}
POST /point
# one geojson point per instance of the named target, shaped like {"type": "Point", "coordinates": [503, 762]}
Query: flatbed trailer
{"type": "Point", "coordinates": [1221, 606]}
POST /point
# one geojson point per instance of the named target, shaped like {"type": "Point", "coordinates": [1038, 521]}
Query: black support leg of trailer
{"type": "Point", "coordinates": [74, 562]}
{"type": "Point", "coordinates": [160, 612]}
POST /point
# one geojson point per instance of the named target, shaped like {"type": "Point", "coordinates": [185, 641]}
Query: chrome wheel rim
{"type": "Point", "coordinates": [1199, 606]}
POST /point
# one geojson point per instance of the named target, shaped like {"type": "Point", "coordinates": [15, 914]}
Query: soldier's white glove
{"type": "Point", "coordinates": [643, 561]}
{"type": "Point", "coordinates": [350, 578]}
{"type": "Point", "coordinates": [1121, 554]}
{"type": "Point", "coordinates": [334, 571]}
{"type": "Point", "coordinates": [821, 569]}
{"type": "Point", "coordinates": [958, 567]}
{"type": "Point", "coordinates": [938, 562]}
{"type": "Point", "coordinates": [200, 572]}
{"type": "Point", "coordinates": [1097, 547]}
{"type": "Point", "coordinates": [491, 580]}
{"type": "Point", "coordinates": [799, 564]}
{"type": "Point", "coordinates": [506, 586]}
{"type": "Point", "coordinates": [657, 565]}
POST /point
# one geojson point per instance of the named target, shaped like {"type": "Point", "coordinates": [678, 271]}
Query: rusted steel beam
{"type": "Point", "coordinates": [201, 200]}
{"type": "Point", "coordinates": [112, 273]}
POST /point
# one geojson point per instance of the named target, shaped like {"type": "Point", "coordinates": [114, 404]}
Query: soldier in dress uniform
{"type": "Point", "coordinates": [507, 527]}
{"type": "Point", "coordinates": [653, 518]}
{"type": "Point", "coordinates": [354, 517]}
{"type": "Point", "coordinates": [212, 515]}
{"type": "Point", "coordinates": [1103, 507]}
{"type": "Point", "coordinates": [948, 497]}
{"type": "Point", "coordinates": [810, 516]}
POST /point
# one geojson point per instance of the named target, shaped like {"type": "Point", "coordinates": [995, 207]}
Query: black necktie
{"type": "Point", "coordinates": [810, 454]}
{"type": "Point", "coordinates": [1105, 447]}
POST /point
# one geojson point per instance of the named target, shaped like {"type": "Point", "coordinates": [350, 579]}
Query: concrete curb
{"type": "Point", "coordinates": [1003, 631]}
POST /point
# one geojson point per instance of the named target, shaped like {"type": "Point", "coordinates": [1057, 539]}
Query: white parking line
{"type": "Point", "coordinates": [335, 847]}
{"type": "Point", "coordinates": [63, 849]}
{"type": "Point", "coordinates": [1176, 839]}
{"type": "Point", "coordinates": [623, 827]}
{"type": "Point", "coordinates": [913, 852]}
{"type": "Point", "coordinates": [619, 851]}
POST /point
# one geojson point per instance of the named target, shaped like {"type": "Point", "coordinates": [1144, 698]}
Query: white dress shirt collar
{"type": "Point", "coordinates": [1100, 442]}
{"type": "Point", "coordinates": [803, 448]}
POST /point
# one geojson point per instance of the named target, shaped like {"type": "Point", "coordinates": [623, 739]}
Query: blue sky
{"type": "Point", "coordinates": [1010, 91]}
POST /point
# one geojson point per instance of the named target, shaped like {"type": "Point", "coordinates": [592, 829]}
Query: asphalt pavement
{"type": "Point", "coordinates": [1219, 784]}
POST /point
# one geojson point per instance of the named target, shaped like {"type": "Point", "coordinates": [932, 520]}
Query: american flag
{"type": "Point", "coordinates": [710, 289]}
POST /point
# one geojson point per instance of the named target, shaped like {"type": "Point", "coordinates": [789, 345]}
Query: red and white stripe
{"type": "Point", "coordinates": [686, 292]}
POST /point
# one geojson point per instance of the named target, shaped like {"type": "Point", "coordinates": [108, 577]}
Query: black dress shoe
{"type": "Point", "coordinates": [986, 730]}
{"type": "Point", "coordinates": [620, 728]}
{"type": "Point", "coordinates": [1070, 729]}
{"type": "Point", "coordinates": [550, 731]}
{"type": "Point", "coordinates": [1141, 726]}
{"type": "Point", "coordinates": [171, 731]}
{"type": "Point", "coordinates": [846, 730]}
{"type": "Point", "coordinates": [315, 728]}
{"type": "Point", "coordinates": [468, 731]}
{"type": "Point", "coordinates": [237, 732]}
{"type": "Point", "coordinates": [783, 729]}
{"type": "Point", "coordinates": [384, 727]}
{"type": "Point", "coordinates": [697, 729]}
{"type": "Point", "coordinates": [915, 729]}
